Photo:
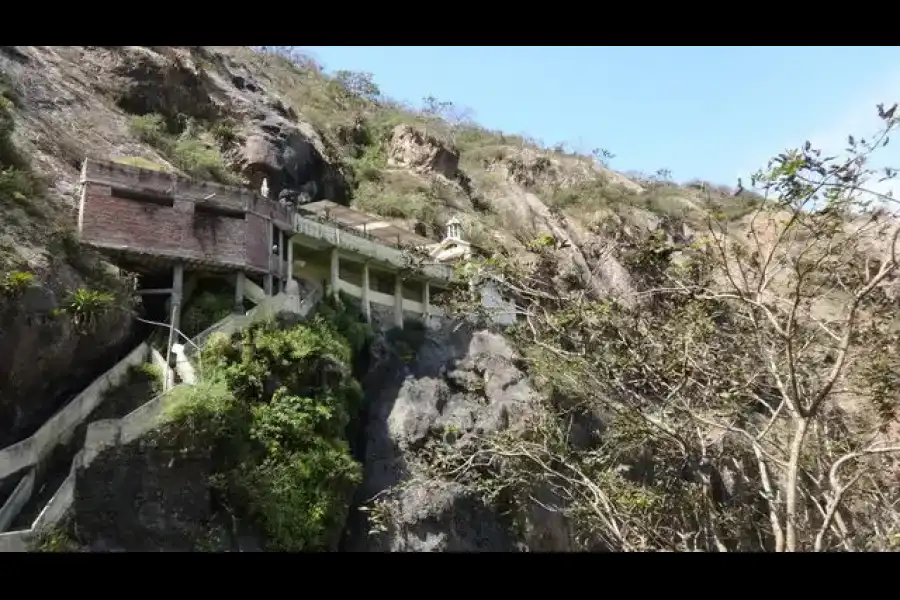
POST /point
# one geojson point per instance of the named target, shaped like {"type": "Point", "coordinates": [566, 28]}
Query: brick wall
{"type": "Point", "coordinates": [201, 192]}
{"type": "Point", "coordinates": [175, 231]}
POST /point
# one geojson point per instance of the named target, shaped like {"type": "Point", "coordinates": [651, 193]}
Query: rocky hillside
{"type": "Point", "coordinates": [238, 115]}
{"type": "Point", "coordinates": [235, 115]}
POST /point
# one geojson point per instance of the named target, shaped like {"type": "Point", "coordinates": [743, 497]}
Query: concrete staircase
{"type": "Point", "coordinates": [26, 456]}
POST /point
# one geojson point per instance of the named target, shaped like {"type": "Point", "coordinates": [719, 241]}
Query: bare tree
{"type": "Point", "coordinates": [747, 402]}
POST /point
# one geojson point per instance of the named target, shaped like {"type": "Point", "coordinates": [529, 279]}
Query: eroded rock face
{"type": "Point", "coordinates": [461, 381]}
{"type": "Point", "coordinates": [45, 361]}
{"type": "Point", "coordinates": [412, 149]}
{"type": "Point", "coordinates": [290, 162]}
{"type": "Point", "coordinates": [145, 496]}
{"type": "Point", "coordinates": [167, 82]}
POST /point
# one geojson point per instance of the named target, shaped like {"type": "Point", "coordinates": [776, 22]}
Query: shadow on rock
{"type": "Point", "coordinates": [459, 380]}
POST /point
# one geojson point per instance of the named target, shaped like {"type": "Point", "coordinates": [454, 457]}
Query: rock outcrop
{"type": "Point", "coordinates": [463, 382]}
{"type": "Point", "coordinates": [413, 149]}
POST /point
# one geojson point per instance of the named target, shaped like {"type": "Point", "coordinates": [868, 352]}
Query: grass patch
{"type": "Point", "coordinates": [397, 196]}
{"type": "Point", "coordinates": [193, 149]}
{"type": "Point", "coordinates": [57, 538]}
{"type": "Point", "coordinates": [141, 163]}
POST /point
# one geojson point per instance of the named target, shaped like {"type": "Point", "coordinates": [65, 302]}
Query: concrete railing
{"type": "Point", "coordinates": [106, 433]}
{"type": "Point", "coordinates": [99, 435]}
{"type": "Point", "coordinates": [267, 308]}
{"type": "Point", "coordinates": [387, 300]}
{"type": "Point", "coordinates": [355, 242]}
{"type": "Point", "coordinates": [31, 450]}
{"type": "Point", "coordinates": [53, 432]}
{"type": "Point", "coordinates": [17, 500]}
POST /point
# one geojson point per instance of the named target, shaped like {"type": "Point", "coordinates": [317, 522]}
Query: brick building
{"type": "Point", "coordinates": [149, 221]}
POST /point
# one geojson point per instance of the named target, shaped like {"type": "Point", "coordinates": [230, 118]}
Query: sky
{"type": "Point", "coordinates": [712, 113]}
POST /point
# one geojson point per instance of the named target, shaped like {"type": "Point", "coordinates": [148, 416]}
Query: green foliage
{"type": "Point", "coordinates": [15, 282]}
{"type": "Point", "coordinates": [225, 133]}
{"type": "Point", "coordinates": [347, 322]}
{"type": "Point", "coordinates": [276, 409]}
{"type": "Point", "coordinates": [153, 373]}
{"type": "Point", "coordinates": [370, 166]}
{"type": "Point", "coordinates": [56, 538]}
{"type": "Point", "coordinates": [188, 148]}
{"type": "Point", "coordinates": [85, 306]}
{"type": "Point", "coordinates": [205, 309]}
{"type": "Point", "coordinates": [357, 84]}
{"type": "Point", "coordinates": [151, 129]}
{"type": "Point", "coordinates": [17, 188]}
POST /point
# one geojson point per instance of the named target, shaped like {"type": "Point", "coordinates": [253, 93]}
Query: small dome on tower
{"type": "Point", "coordinates": [454, 230]}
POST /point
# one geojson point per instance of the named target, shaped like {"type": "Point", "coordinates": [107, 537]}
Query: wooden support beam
{"type": "Point", "coordinates": [150, 291]}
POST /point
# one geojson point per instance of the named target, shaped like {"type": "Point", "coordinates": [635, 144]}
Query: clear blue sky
{"type": "Point", "coordinates": [707, 112]}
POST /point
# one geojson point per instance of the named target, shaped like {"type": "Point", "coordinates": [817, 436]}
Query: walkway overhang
{"type": "Point", "coordinates": [326, 224]}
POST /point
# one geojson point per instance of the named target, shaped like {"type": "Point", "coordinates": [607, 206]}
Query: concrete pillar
{"type": "Point", "coordinates": [282, 268]}
{"type": "Point", "coordinates": [398, 301]}
{"type": "Point", "coordinates": [175, 310]}
{"type": "Point", "coordinates": [270, 241]}
{"type": "Point", "coordinates": [335, 272]}
{"type": "Point", "coordinates": [290, 260]}
{"type": "Point", "coordinates": [239, 280]}
{"type": "Point", "coordinates": [366, 306]}
{"type": "Point", "coordinates": [426, 300]}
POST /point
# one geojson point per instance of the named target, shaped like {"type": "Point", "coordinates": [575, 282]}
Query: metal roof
{"type": "Point", "coordinates": [377, 227]}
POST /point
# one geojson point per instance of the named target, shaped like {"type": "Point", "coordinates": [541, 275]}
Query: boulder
{"type": "Point", "coordinates": [461, 381]}
{"type": "Point", "coordinates": [413, 149]}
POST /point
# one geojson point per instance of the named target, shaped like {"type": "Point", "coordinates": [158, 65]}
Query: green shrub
{"type": "Point", "coordinates": [85, 306]}
{"type": "Point", "coordinates": [200, 160]}
{"type": "Point", "coordinates": [204, 310]}
{"type": "Point", "coordinates": [224, 133]}
{"type": "Point", "coordinates": [188, 151]}
{"type": "Point", "coordinates": [275, 409]}
{"type": "Point", "coordinates": [153, 130]}
{"type": "Point", "coordinates": [15, 282]}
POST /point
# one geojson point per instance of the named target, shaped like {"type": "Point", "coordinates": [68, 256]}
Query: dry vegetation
{"type": "Point", "coordinates": [355, 120]}
{"type": "Point", "coordinates": [746, 403]}
{"type": "Point", "coordinates": [734, 417]}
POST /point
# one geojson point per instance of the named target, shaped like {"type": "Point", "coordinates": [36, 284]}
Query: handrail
{"type": "Point", "coordinates": [350, 229]}
{"type": "Point", "coordinates": [180, 333]}
{"type": "Point", "coordinates": [304, 224]}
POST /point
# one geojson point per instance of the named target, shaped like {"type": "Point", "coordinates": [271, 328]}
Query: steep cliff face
{"type": "Point", "coordinates": [440, 387]}
{"type": "Point", "coordinates": [238, 116]}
